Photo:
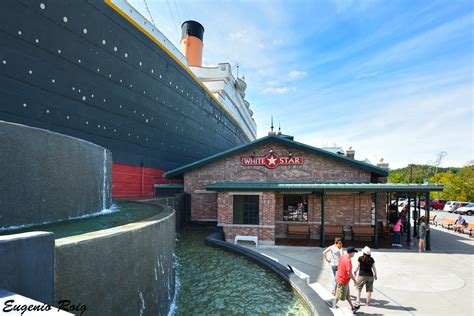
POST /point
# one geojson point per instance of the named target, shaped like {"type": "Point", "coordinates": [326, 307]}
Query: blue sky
{"type": "Point", "coordinates": [392, 79]}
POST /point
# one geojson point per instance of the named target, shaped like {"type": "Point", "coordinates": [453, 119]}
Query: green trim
{"type": "Point", "coordinates": [282, 140]}
{"type": "Point", "coordinates": [169, 186]}
{"type": "Point", "coordinates": [328, 186]}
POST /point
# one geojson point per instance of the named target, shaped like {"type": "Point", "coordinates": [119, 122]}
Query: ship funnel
{"type": "Point", "coordinates": [191, 42]}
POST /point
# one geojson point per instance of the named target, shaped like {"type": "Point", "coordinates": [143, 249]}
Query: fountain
{"type": "Point", "coordinates": [111, 260]}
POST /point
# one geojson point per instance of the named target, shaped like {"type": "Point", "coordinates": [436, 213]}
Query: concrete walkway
{"type": "Point", "coordinates": [438, 282]}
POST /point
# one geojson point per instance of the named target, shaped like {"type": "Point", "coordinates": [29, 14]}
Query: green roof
{"type": "Point", "coordinates": [282, 140]}
{"type": "Point", "coordinates": [169, 186]}
{"type": "Point", "coordinates": [318, 186]}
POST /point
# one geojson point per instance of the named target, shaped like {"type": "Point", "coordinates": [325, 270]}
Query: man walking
{"type": "Point", "coordinates": [344, 276]}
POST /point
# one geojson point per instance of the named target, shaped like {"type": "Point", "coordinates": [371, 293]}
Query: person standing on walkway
{"type": "Point", "coordinates": [367, 275]}
{"type": "Point", "coordinates": [422, 230]}
{"type": "Point", "coordinates": [336, 253]}
{"type": "Point", "coordinates": [344, 276]}
{"type": "Point", "coordinates": [396, 233]}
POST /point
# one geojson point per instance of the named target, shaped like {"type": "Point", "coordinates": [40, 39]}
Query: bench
{"type": "Point", "coordinates": [334, 231]}
{"type": "Point", "coordinates": [447, 223]}
{"type": "Point", "coordinates": [246, 238]}
{"type": "Point", "coordinates": [363, 231]}
{"type": "Point", "coordinates": [469, 228]}
{"type": "Point", "coordinates": [298, 230]}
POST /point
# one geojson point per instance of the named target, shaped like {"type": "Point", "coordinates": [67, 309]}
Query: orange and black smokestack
{"type": "Point", "coordinates": [192, 34]}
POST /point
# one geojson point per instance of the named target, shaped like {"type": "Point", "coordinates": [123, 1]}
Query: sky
{"type": "Point", "coordinates": [391, 79]}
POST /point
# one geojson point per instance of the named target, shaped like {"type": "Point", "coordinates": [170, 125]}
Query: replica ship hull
{"type": "Point", "coordinates": [80, 68]}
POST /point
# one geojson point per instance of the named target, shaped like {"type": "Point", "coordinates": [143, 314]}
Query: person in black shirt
{"type": "Point", "coordinates": [366, 274]}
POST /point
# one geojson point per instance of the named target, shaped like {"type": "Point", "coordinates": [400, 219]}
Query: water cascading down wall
{"type": "Point", "coordinates": [47, 177]}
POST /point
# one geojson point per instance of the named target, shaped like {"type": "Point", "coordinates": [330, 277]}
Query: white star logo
{"type": "Point", "coordinates": [271, 160]}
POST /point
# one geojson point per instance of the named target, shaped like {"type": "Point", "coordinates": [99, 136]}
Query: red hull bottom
{"type": "Point", "coordinates": [128, 180]}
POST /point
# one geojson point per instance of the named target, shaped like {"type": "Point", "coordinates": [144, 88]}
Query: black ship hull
{"type": "Point", "coordinates": [79, 68]}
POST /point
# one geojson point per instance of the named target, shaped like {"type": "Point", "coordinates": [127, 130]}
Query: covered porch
{"type": "Point", "coordinates": [312, 214]}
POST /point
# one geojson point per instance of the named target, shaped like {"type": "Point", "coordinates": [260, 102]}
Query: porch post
{"type": "Point", "coordinates": [415, 216]}
{"type": "Point", "coordinates": [408, 218]}
{"type": "Point", "coordinates": [376, 239]}
{"type": "Point", "coordinates": [321, 238]}
{"type": "Point", "coordinates": [427, 212]}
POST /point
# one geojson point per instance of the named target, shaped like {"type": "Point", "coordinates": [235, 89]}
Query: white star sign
{"type": "Point", "coordinates": [272, 160]}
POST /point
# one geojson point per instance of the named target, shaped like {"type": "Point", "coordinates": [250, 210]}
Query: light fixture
{"type": "Point", "coordinates": [290, 154]}
{"type": "Point", "coordinates": [271, 151]}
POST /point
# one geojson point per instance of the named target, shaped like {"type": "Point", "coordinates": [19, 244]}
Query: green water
{"type": "Point", "coordinates": [123, 212]}
{"type": "Point", "coordinates": [212, 281]}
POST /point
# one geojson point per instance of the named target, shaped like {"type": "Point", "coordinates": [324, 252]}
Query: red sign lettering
{"type": "Point", "coordinates": [271, 161]}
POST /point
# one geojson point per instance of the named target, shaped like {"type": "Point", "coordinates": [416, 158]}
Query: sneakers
{"type": "Point", "coordinates": [355, 309]}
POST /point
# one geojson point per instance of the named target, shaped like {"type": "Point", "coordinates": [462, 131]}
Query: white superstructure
{"type": "Point", "coordinates": [230, 92]}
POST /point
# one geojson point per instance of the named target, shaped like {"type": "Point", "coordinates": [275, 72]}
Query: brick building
{"type": "Point", "coordinates": [275, 187]}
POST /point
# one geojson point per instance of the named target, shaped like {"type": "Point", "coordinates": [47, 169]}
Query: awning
{"type": "Point", "coordinates": [327, 186]}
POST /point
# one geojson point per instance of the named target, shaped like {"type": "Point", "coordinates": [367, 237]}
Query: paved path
{"type": "Point", "coordinates": [439, 282]}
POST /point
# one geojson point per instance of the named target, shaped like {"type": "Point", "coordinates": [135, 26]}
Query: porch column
{"type": "Point", "coordinates": [408, 218]}
{"type": "Point", "coordinates": [323, 198]}
{"type": "Point", "coordinates": [376, 239]}
{"type": "Point", "coordinates": [427, 212]}
{"type": "Point", "coordinates": [415, 212]}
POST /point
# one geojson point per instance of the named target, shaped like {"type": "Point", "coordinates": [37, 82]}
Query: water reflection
{"type": "Point", "coordinates": [216, 282]}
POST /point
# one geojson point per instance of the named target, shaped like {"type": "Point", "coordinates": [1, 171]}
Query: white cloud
{"type": "Point", "coordinates": [372, 74]}
{"type": "Point", "coordinates": [236, 35]}
{"type": "Point", "coordinates": [281, 90]}
{"type": "Point", "coordinates": [296, 74]}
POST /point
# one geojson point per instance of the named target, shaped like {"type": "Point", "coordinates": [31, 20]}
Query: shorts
{"type": "Point", "coordinates": [368, 281]}
{"type": "Point", "coordinates": [422, 238]}
{"type": "Point", "coordinates": [342, 292]}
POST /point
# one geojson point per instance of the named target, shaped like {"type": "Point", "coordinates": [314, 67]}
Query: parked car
{"type": "Point", "coordinates": [435, 204]}
{"type": "Point", "coordinates": [448, 206]}
{"type": "Point", "coordinates": [465, 210]}
{"type": "Point", "coordinates": [457, 205]}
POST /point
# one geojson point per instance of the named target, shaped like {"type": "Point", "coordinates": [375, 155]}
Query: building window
{"type": "Point", "coordinates": [295, 207]}
{"type": "Point", "coordinates": [246, 209]}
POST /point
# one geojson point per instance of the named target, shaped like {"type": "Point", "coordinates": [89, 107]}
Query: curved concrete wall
{"type": "Point", "coordinates": [45, 176]}
{"type": "Point", "coordinates": [126, 270]}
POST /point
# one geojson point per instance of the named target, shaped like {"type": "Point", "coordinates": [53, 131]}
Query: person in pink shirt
{"type": "Point", "coordinates": [396, 233]}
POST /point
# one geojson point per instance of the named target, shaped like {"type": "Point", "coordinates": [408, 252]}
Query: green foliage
{"type": "Point", "coordinates": [458, 182]}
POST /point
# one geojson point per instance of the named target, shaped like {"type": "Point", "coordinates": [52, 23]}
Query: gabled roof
{"type": "Point", "coordinates": [281, 140]}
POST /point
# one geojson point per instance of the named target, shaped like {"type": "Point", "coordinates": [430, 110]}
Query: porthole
{"type": "Point", "coordinates": [83, 98]}
{"type": "Point", "coordinates": [47, 111]}
{"type": "Point", "coordinates": [42, 6]}
{"type": "Point", "coordinates": [67, 117]}
{"type": "Point", "coordinates": [87, 122]}
{"type": "Point", "coordinates": [25, 105]}
{"type": "Point", "coordinates": [84, 31]}
{"type": "Point", "coordinates": [140, 63]}
{"type": "Point", "coordinates": [53, 81]}
{"type": "Point", "coordinates": [115, 48]}
{"type": "Point", "coordinates": [98, 69]}
{"type": "Point", "coordinates": [30, 71]}
{"type": "Point", "coordinates": [152, 71]}
{"type": "Point", "coordinates": [92, 95]}
{"type": "Point", "coordinates": [4, 62]}
{"type": "Point", "coordinates": [59, 51]}
{"type": "Point", "coordinates": [126, 55]}
{"type": "Point", "coordinates": [37, 41]}
{"type": "Point", "coordinates": [104, 42]}
{"type": "Point", "coordinates": [19, 33]}
{"type": "Point", "coordinates": [65, 19]}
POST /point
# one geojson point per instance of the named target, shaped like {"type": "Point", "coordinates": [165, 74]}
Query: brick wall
{"type": "Point", "coordinates": [340, 209]}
